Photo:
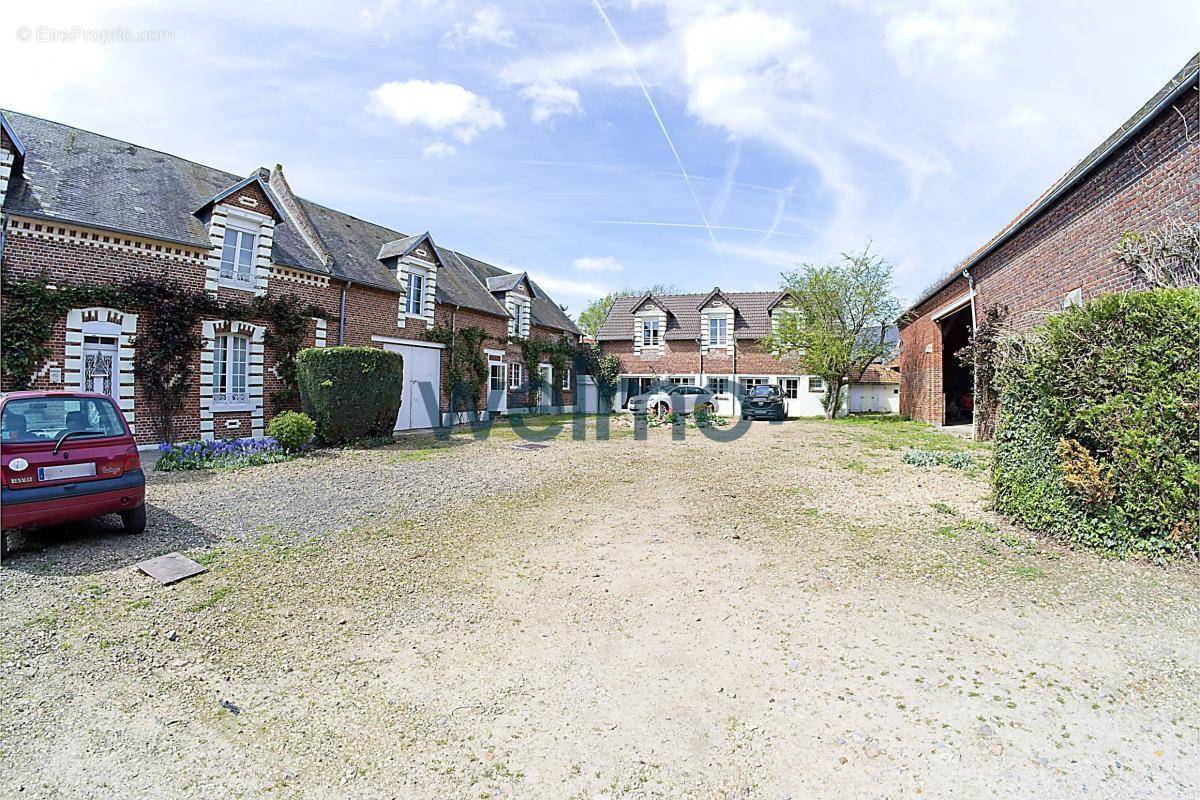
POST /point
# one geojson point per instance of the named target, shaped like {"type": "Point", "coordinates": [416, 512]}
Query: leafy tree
{"type": "Point", "coordinates": [592, 317]}
{"type": "Point", "coordinates": [835, 318]}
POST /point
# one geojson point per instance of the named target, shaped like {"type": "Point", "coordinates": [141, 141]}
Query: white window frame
{"type": "Point", "coordinates": [224, 374]}
{"type": "Point", "coordinates": [242, 230]}
{"type": "Point", "coordinates": [790, 388]}
{"type": "Point", "coordinates": [651, 335]}
{"type": "Point", "coordinates": [493, 363]}
{"type": "Point", "coordinates": [411, 297]}
{"type": "Point", "coordinates": [718, 325]}
{"type": "Point", "coordinates": [717, 385]}
{"type": "Point", "coordinates": [683, 380]}
{"type": "Point", "coordinates": [566, 381]}
{"type": "Point", "coordinates": [515, 323]}
{"type": "Point", "coordinates": [816, 383]}
{"type": "Point", "coordinates": [516, 374]}
{"type": "Point", "coordinates": [748, 383]}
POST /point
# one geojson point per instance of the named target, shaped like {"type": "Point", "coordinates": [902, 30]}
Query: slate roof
{"type": "Point", "coordinates": [750, 319]}
{"type": "Point", "coordinates": [504, 283]}
{"type": "Point", "coordinates": [73, 175]}
{"type": "Point", "coordinates": [1185, 78]}
{"type": "Point", "coordinates": [542, 308]}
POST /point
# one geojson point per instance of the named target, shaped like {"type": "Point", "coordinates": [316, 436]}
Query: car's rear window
{"type": "Point", "coordinates": [38, 419]}
{"type": "Point", "coordinates": [762, 391]}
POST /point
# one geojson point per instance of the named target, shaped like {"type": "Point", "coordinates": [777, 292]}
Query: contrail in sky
{"type": "Point", "coordinates": [662, 126]}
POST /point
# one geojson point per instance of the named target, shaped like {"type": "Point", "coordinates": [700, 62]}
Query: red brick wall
{"type": "Point", "coordinates": [70, 254]}
{"type": "Point", "coordinates": [1155, 177]}
{"type": "Point", "coordinates": [252, 192]}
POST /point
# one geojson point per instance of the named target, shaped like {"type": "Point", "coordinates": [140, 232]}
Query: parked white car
{"type": "Point", "coordinates": [682, 399]}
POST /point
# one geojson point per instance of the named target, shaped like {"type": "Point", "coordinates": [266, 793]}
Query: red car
{"type": "Point", "coordinates": [67, 456]}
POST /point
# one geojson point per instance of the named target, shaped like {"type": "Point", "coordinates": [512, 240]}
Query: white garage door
{"type": "Point", "coordinates": [420, 403]}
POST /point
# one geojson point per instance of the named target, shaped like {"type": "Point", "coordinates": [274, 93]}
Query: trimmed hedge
{"type": "Point", "coordinates": [1098, 435]}
{"type": "Point", "coordinates": [350, 392]}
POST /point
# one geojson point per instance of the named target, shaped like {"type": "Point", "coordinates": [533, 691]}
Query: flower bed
{"type": "Point", "coordinates": [219, 454]}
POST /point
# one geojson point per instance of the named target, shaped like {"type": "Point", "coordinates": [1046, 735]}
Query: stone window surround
{"type": "Point", "coordinates": [212, 328]}
{"type": "Point", "coordinates": [648, 314]}
{"type": "Point", "coordinates": [717, 310]}
{"type": "Point", "coordinates": [519, 307]}
{"type": "Point", "coordinates": [99, 321]}
{"type": "Point", "coordinates": [428, 271]}
{"type": "Point", "coordinates": [226, 215]}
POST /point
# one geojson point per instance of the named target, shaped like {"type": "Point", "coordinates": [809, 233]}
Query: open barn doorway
{"type": "Point", "coordinates": [958, 379]}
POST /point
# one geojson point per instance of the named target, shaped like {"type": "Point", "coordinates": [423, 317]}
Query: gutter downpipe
{"type": "Point", "coordinates": [966, 273]}
{"type": "Point", "coordinates": [342, 313]}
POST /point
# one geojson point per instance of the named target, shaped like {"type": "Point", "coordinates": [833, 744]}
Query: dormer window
{"type": "Point", "coordinates": [650, 333]}
{"type": "Point", "coordinates": [717, 332]}
{"type": "Point", "coordinates": [237, 258]}
{"type": "Point", "coordinates": [416, 294]}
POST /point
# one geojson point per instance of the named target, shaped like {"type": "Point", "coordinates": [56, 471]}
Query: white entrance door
{"type": "Point", "coordinates": [546, 393]}
{"type": "Point", "coordinates": [497, 398]}
{"type": "Point", "coordinates": [100, 365]}
{"type": "Point", "coordinates": [420, 403]}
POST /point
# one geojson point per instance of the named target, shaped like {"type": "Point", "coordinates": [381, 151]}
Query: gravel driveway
{"type": "Point", "coordinates": [793, 614]}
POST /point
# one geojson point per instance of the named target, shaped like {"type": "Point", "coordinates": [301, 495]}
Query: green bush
{"type": "Point", "coordinates": [350, 392]}
{"type": "Point", "coordinates": [292, 429]}
{"type": "Point", "coordinates": [1098, 433]}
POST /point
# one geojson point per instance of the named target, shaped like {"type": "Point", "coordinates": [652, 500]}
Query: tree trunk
{"type": "Point", "coordinates": [831, 405]}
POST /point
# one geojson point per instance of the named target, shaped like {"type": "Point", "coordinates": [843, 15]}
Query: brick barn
{"type": "Point", "coordinates": [1060, 251]}
{"type": "Point", "coordinates": [80, 207]}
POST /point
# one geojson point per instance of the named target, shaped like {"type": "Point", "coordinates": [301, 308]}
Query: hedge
{"type": "Point", "coordinates": [1098, 435]}
{"type": "Point", "coordinates": [350, 392]}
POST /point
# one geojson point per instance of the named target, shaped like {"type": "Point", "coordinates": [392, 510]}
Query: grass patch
{"type": "Point", "coordinates": [218, 594]}
{"type": "Point", "coordinates": [944, 509]}
{"type": "Point", "coordinates": [1029, 572]}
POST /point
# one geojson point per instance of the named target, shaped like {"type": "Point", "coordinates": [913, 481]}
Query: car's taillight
{"type": "Point", "coordinates": [132, 459]}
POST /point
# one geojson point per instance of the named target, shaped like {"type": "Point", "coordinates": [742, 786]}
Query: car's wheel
{"type": "Point", "coordinates": [134, 519]}
{"type": "Point", "coordinates": [661, 410]}
{"type": "Point", "coordinates": [710, 408]}
{"type": "Point", "coordinates": [3, 544]}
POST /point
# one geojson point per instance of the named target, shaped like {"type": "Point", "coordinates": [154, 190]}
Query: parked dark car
{"type": "Point", "coordinates": [764, 402]}
{"type": "Point", "coordinates": [67, 456]}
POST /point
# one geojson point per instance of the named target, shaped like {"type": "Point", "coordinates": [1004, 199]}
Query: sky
{"type": "Point", "coordinates": [613, 145]}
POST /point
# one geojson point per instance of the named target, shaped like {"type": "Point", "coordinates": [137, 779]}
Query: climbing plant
{"type": "Point", "coordinates": [558, 353]}
{"type": "Point", "coordinates": [467, 371]}
{"type": "Point", "coordinates": [168, 336]}
{"type": "Point", "coordinates": [984, 353]}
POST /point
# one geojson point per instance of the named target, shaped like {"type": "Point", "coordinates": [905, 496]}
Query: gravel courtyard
{"type": "Point", "coordinates": [794, 614]}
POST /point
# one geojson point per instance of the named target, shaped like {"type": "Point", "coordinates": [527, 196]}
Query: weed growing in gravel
{"type": "Point", "coordinates": [944, 509]}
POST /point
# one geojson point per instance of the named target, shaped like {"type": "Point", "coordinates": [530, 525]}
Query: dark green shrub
{"type": "Point", "coordinates": [1098, 436]}
{"type": "Point", "coordinates": [350, 392]}
{"type": "Point", "coordinates": [292, 429]}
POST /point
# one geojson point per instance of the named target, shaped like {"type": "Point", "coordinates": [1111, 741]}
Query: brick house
{"type": "Point", "coordinates": [81, 207]}
{"type": "Point", "coordinates": [1058, 252]}
{"type": "Point", "coordinates": [714, 340]}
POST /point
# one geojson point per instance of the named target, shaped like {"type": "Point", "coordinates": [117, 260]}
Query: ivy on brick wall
{"type": "Point", "coordinates": [467, 369]}
{"type": "Point", "coordinates": [558, 353]}
{"type": "Point", "coordinates": [167, 343]}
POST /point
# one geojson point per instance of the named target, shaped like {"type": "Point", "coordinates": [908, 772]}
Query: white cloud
{"type": "Point", "coordinates": [1024, 117]}
{"type": "Point", "coordinates": [437, 106]}
{"type": "Point", "coordinates": [551, 99]}
{"type": "Point", "coordinates": [944, 33]}
{"type": "Point", "coordinates": [597, 264]}
{"type": "Point", "coordinates": [438, 150]}
{"type": "Point", "coordinates": [487, 26]}
{"type": "Point", "coordinates": [569, 291]}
